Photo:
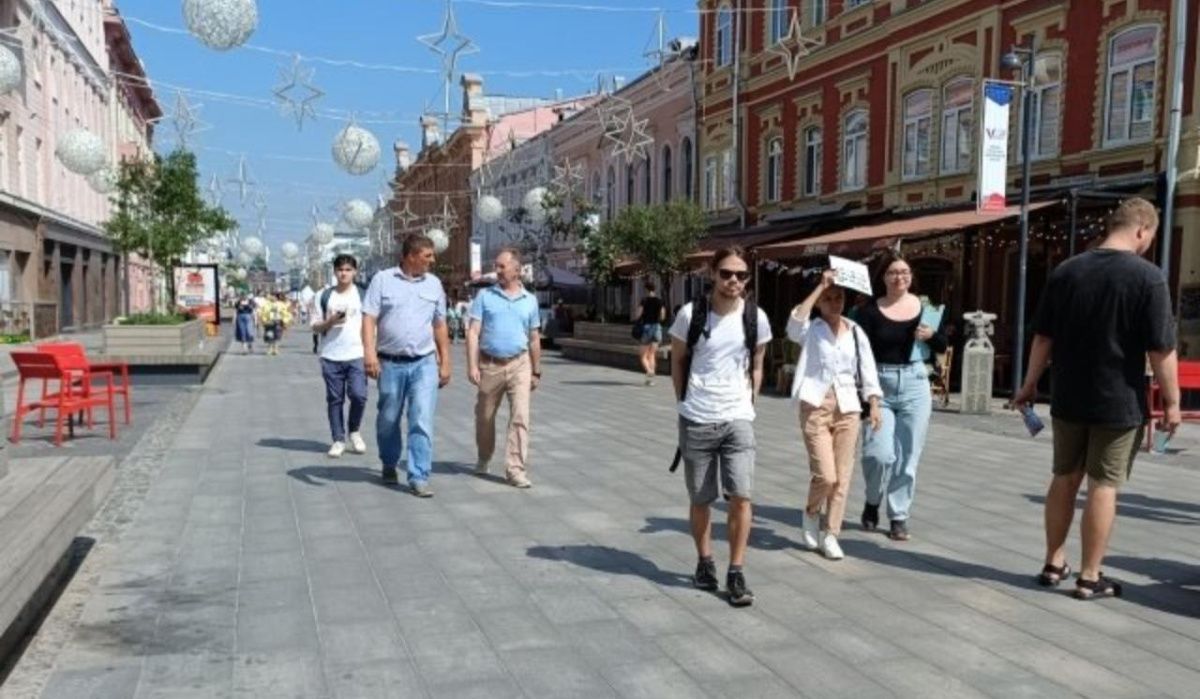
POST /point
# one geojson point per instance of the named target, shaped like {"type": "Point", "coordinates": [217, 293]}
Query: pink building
{"type": "Point", "coordinates": [57, 266]}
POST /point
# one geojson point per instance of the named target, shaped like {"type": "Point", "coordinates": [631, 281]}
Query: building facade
{"type": "Point", "coordinates": [870, 109]}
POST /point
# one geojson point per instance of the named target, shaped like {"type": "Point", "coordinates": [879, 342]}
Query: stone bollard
{"type": "Point", "coordinates": [979, 358]}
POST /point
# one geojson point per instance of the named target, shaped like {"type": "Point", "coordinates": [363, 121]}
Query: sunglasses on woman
{"type": "Point", "coordinates": [727, 274]}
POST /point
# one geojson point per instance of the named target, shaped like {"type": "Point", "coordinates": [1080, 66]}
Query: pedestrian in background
{"type": "Point", "coordinates": [504, 355]}
{"type": "Point", "coordinates": [837, 373]}
{"type": "Point", "coordinates": [274, 316]}
{"type": "Point", "coordinates": [717, 348]}
{"type": "Point", "coordinates": [891, 455]}
{"type": "Point", "coordinates": [1102, 314]}
{"type": "Point", "coordinates": [244, 323]}
{"type": "Point", "coordinates": [651, 313]}
{"type": "Point", "coordinates": [406, 348]}
{"type": "Point", "coordinates": [337, 316]}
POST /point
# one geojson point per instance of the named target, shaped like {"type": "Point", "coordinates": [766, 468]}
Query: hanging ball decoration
{"type": "Point", "coordinates": [239, 273]}
{"type": "Point", "coordinates": [535, 204]}
{"type": "Point", "coordinates": [81, 151]}
{"type": "Point", "coordinates": [10, 70]}
{"type": "Point", "coordinates": [252, 246]}
{"type": "Point", "coordinates": [245, 258]}
{"type": "Point", "coordinates": [103, 180]}
{"type": "Point", "coordinates": [489, 209]}
{"type": "Point", "coordinates": [221, 24]}
{"type": "Point", "coordinates": [356, 150]}
{"type": "Point", "coordinates": [322, 233]}
{"type": "Point", "coordinates": [592, 222]}
{"type": "Point", "coordinates": [358, 213]}
{"type": "Point", "coordinates": [441, 241]}
{"type": "Point", "coordinates": [289, 249]}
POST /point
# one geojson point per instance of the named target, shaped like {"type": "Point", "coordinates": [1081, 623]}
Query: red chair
{"type": "Point", "coordinates": [77, 391]}
{"type": "Point", "coordinates": [1189, 380]}
{"type": "Point", "coordinates": [75, 352]}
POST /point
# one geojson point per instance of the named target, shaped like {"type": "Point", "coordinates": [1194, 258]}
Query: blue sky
{"type": "Point", "coordinates": [530, 37]}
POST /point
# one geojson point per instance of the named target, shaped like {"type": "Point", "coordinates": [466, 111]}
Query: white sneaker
{"type": "Point", "coordinates": [337, 449]}
{"type": "Point", "coordinates": [357, 445]}
{"type": "Point", "coordinates": [481, 467]}
{"type": "Point", "coordinates": [831, 549]}
{"type": "Point", "coordinates": [812, 531]}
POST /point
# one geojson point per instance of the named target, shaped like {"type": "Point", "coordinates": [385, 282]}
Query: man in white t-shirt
{"type": "Point", "coordinates": [717, 379]}
{"type": "Point", "coordinates": [337, 318]}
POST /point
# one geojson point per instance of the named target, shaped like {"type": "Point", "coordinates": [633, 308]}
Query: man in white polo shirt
{"type": "Point", "coordinates": [337, 319]}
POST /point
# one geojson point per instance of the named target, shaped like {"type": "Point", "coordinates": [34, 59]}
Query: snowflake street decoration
{"type": "Point", "coordinates": [103, 181]}
{"type": "Point", "coordinates": [489, 209]}
{"type": "Point", "coordinates": [297, 79]}
{"type": "Point", "coordinates": [315, 214]}
{"type": "Point", "coordinates": [356, 150]}
{"type": "Point", "coordinates": [448, 219]}
{"type": "Point", "coordinates": [216, 190]}
{"type": "Point", "coordinates": [242, 180]}
{"type": "Point", "coordinates": [322, 233]}
{"type": "Point", "coordinates": [10, 67]}
{"type": "Point", "coordinates": [221, 24]}
{"type": "Point", "coordinates": [793, 46]}
{"type": "Point", "coordinates": [81, 151]}
{"type": "Point", "coordinates": [405, 217]}
{"type": "Point", "coordinates": [629, 137]}
{"type": "Point", "coordinates": [260, 208]}
{"type": "Point", "coordinates": [184, 120]}
{"type": "Point", "coordinates": [358, 213]}
{"type": "Point", "coordinates": [568, 178]}
{"type": "Point", "coordinates": [535, 205]}
{"type": "Point", "coordinates": [449, 43]}
{"type": "Point", "coordinates": [441, 241]}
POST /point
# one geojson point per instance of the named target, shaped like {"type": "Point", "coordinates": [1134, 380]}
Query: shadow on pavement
{"type": "Point", "coordinates": [319, 475]}
{"type": "Point", "coordinates": [293, 444]}
{"type": "Point", "coordinates": [609, 560]}
{"type": "Point", "coordinates": [1146, 507]}
{"type": "Point", "coordinates": [760, 537]}
{"type": "Point", "coordinates": [598, 383]}
{"type": "Point", "coordinates": [453, 468]}
{"type": "Point", "coordinates": [1176, 591]}
{"type": "Point", "coordinates": [907, 558]}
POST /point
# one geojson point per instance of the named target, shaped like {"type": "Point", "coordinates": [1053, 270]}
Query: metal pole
{"type": "Point", "coordinates": [1023, 262]}
{"type": "Point", "coordinates": [1074, 222]}
{"type": "Point", "coordinates": [1177, 56]}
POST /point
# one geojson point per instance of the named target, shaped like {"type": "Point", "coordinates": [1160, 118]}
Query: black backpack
{"type": "Point", "coordinates": [328, 291]}
{"type": "Point", "coordinates": [698, 327]}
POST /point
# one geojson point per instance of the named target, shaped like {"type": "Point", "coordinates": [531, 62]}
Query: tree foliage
{"type": "Point", "coordinates": [660, 237]}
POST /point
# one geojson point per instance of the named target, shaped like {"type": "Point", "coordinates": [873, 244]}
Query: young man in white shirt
{"type": "Point", "coordinates": [337, 318]}
{"type": "Point", "coordinates": [717, 379]}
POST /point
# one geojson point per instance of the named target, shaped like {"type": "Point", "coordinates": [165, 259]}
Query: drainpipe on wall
{"type": "Point", "coordinates": [735, 121]}
{"type": "Point", "coordinates": [1172, 169]}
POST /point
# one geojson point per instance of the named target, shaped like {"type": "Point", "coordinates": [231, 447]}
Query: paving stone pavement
{"type": "Point", "coordinates": [256, 566]}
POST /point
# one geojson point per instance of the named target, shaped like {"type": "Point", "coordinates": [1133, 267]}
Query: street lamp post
{"type": "Point", "coordinates": [1023, 58]}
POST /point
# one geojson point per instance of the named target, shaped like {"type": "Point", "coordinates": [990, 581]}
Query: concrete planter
{"type": "Point", "coordinates": [153, 340]}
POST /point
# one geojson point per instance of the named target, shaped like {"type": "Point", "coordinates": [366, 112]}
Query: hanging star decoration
{"type": "Point", "coordinates": [260, 208]}
{"type": "Point", "coordinates": [568, 179]}
{"type": "Point", "coordinates": [315, 214]}
{"type": "Point", "coordinates": [10, 36]}
{"type": "Point", "coordinates": [184, 121]}
{"type": "Point", "coordinates": [794, 46]}
{"type": "Point", "coordinates": [629, 137]}
{"type": "Point", "coordinates": [216, 190]}
{"type": "Point", "coordinates": [658, 52]}
{"type": "Point", "coordinates": [459, 44]}
{"type": "Point", "coordinates": [242, 180]}
{"type": "Point", "coordinates": [297, 79]}
{"type": "Point", "coordinates": [448, 219]}
{"type": "Point", "coordinates": [405, 217]}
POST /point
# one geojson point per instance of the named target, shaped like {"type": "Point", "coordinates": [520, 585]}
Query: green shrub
{"type": "Point", "coordinates": [154, 319]}
{"type": "Point", "coordinates": [14, 339]}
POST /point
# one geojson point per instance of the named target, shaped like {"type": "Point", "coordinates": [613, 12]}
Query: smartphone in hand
{"type": "Point", "coordinates": [1033, 423]}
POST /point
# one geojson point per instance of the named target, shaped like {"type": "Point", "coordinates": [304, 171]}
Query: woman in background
{"type": "Point", "coordinates": [651, 313]}
{"type": "Point", "coordinates": [245, 323]}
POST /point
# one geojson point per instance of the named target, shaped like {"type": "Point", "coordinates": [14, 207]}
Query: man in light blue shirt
{"type": "Point", "coordinates": [504, 353]}
{"type": "Point", "coordinates": [406, 347]}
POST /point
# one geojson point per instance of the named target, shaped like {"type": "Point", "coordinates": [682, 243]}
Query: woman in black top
{"type": "Point", "coordinates": [651, 313]}
{"type": "Point", "coordinates": [899, 340]}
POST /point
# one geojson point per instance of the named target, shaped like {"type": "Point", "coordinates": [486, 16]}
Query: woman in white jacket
{"type": "Point", "coordinates": [836, 373]}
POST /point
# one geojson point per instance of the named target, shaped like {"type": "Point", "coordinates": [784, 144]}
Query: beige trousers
{"type": "Point", "coordinates": [830, 437]}
{"type": "Point", "coordinates": [513, 379]}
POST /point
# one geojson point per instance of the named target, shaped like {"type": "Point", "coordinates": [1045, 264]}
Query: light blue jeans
{"type": "Point", "coordinates": [410, 387]}
{"type": "Point", "coordinates": [891, 455]}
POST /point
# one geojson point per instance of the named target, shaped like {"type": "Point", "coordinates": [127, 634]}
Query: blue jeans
{"type": "Point", "coordinates": [891, 455]}
{"type": "Point", "coordinates": [344, 379]}
{"type": "Point", "coordinates": [410, 387]}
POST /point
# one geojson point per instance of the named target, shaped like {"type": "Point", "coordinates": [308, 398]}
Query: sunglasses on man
{"type": "Point", "coordinates": [740, 274]}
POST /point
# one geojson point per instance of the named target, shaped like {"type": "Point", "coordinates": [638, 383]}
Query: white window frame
{"type": "Point", "coordinates": [1129, 69]}
{"type": "Point", "coordinates": [778, 16]}
{"type": "Point", "coordinates": [773, 189]}
{"type": "Point", "coordinates": [729, 197]}
{"type": "Point", "coordinates": [855, 151]}
{"type": "Point", "coordinates": [819, 11]}
{"type": "Point", "coordinates": [813, 148]}
{"type": "Point", "coordinates": [952, 115]}
{"type": "Point", "coordinates": [851, 4]}
{"type": "Point", "coordinates": [723, 37]}
{"type": "Point", "coordinates": [1037, 98]}
{"type": "Point", "coordinates": [710, 183]}
{"type": "Point", "coordinates": [912, 166]}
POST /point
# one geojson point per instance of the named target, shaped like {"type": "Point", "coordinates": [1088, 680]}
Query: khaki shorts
{"type": "Point", "coordinates": [1105, 454]}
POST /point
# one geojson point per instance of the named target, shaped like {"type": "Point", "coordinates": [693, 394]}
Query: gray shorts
{"type": "Point", "coordinates": [726, 448]}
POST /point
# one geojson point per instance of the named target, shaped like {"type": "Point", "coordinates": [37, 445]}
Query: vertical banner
{"type": "Point", "coordinates": [993, 146]}
{"type": "Point", "coordinates": [196, 291]}
{"type": "Point", "coordinates": [476, 260]}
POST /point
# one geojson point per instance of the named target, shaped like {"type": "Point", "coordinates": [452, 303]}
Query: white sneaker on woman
{"type": "Point", "coordinates": [357, 445]}
{"type": "Point", "coordinates": [337, 450]}
{"type": "Point", "coordinates": [830, 548]}
{"type": "Point", "coordinates": [812, 531]}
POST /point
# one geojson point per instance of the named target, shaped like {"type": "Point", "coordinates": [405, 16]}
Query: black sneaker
{"type": "Point", "coordinates": [870, 517]}
{"type": "Point", "coordinates": [739, 594]}
{"type": "Point", "coordinates": [389, 475]}
{"type": "Point", "coordinates": [899, 530]}
{"type": "Point", "coordinates": [706, 575]}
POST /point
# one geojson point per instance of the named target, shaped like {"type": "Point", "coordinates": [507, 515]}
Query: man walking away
{"type": "Point", "coordinates": [503, 359]}
{"type": "Point", "coordinates": [717, 347]}
{"type": "Point", "coordinates": [337, 318]}
{"type": "Point", "coordinates": [406, 347]}
{"type": "Point", "coordinates": [1102, 314]}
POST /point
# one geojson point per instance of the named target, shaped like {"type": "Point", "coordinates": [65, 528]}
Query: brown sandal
{"type": "Point", "coordinates": [1100, 587]}
{"type": "Point", "coordinates": [1051, 575]}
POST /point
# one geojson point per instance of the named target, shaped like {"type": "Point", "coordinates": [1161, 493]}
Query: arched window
{"type": "Point", "coordinates": [774, 174]}
{"type": "Point", "coordinates": [689, 175]}
{"type": "Point", "coordinates": [610, 194]}
{"type": "Point", "coordinates": [812, 161]}
{"type": "Point", "coordinates": [629, 185]}
{"type": "Point", "coordinates": [777, 20]}
{"type": "Point", "coordinates": [918, 124]}
{"type": "Point", "coordinates": [957, 125]}
{"type": "Point", "coordinates": [596, 188]}
{"type": "Point", "coordinates": [647, 180]}
{"type": "Point", "coordinates": [723, 48]}
{"type": "Point", "coordinates": [710, 182]}
{"type": "Point", "coordinates": [667, 174]}
{"type": "Point", "coordinates": [1129, 93]}
{"type": "Point", "coordinates": [854, 150]}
